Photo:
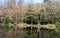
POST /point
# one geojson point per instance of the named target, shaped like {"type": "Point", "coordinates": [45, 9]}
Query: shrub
{"type": "Point", "coordinates": [58, 26]}
{"type": "Point", "coordinates": [30, 17]}
{"type": "Point", "coordinates": [6, 23]}
{"type": "Point", "coordinates": [35, 17]}
{"type": "Point", "coordinates": [43, 16]}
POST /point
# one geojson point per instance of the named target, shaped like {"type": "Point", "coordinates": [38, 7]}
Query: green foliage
{"type": "Point", "coordinates": [30, 17]}
{"type": "Point", "coordinates": [58, 26]}
{"type": "Point", "coordinates": [6, 24]}
{"type": "Point", "coordinates": [49, 18]}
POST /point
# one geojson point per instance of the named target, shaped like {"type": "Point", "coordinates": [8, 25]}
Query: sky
{"type": "Point", "coordinates": [35, 1]}
{"type": "Point", "coordinates": [2, 2]}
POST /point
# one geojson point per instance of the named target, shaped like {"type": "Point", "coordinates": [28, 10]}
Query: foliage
{"type": "Point", "coordinates": [58, 26]}
{"type": "Point", "coordinates": [30, 17]}
{"type": "Point", "coordinates": [47, 16]}
{"type": "Point", "coordinates": [6, 23]}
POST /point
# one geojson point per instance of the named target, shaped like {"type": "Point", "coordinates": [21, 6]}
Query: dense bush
{"type": "Point", "coordinates": [52, 14]}
{"type": "Point", "coordinates": [5, 23]}
{"type": "Point", "coordinates": [30, 17]}
{"type": "Point", "coordinates": [43, 16]}
{"type": "Point", "coordinates": [58, 26]}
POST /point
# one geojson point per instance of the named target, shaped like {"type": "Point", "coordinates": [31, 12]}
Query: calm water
{"type": "Point", "coordinates": [26, 33]}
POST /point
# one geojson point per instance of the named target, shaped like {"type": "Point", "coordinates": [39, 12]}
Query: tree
{"type": "Point", "coordinates": [20, 2]}
{"type": "Point", "coordinates": [46, 1]}
{"type": "Point", "coordinates": [11, 2]}
{"type": "Point", "coordinates": [51, 1]}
